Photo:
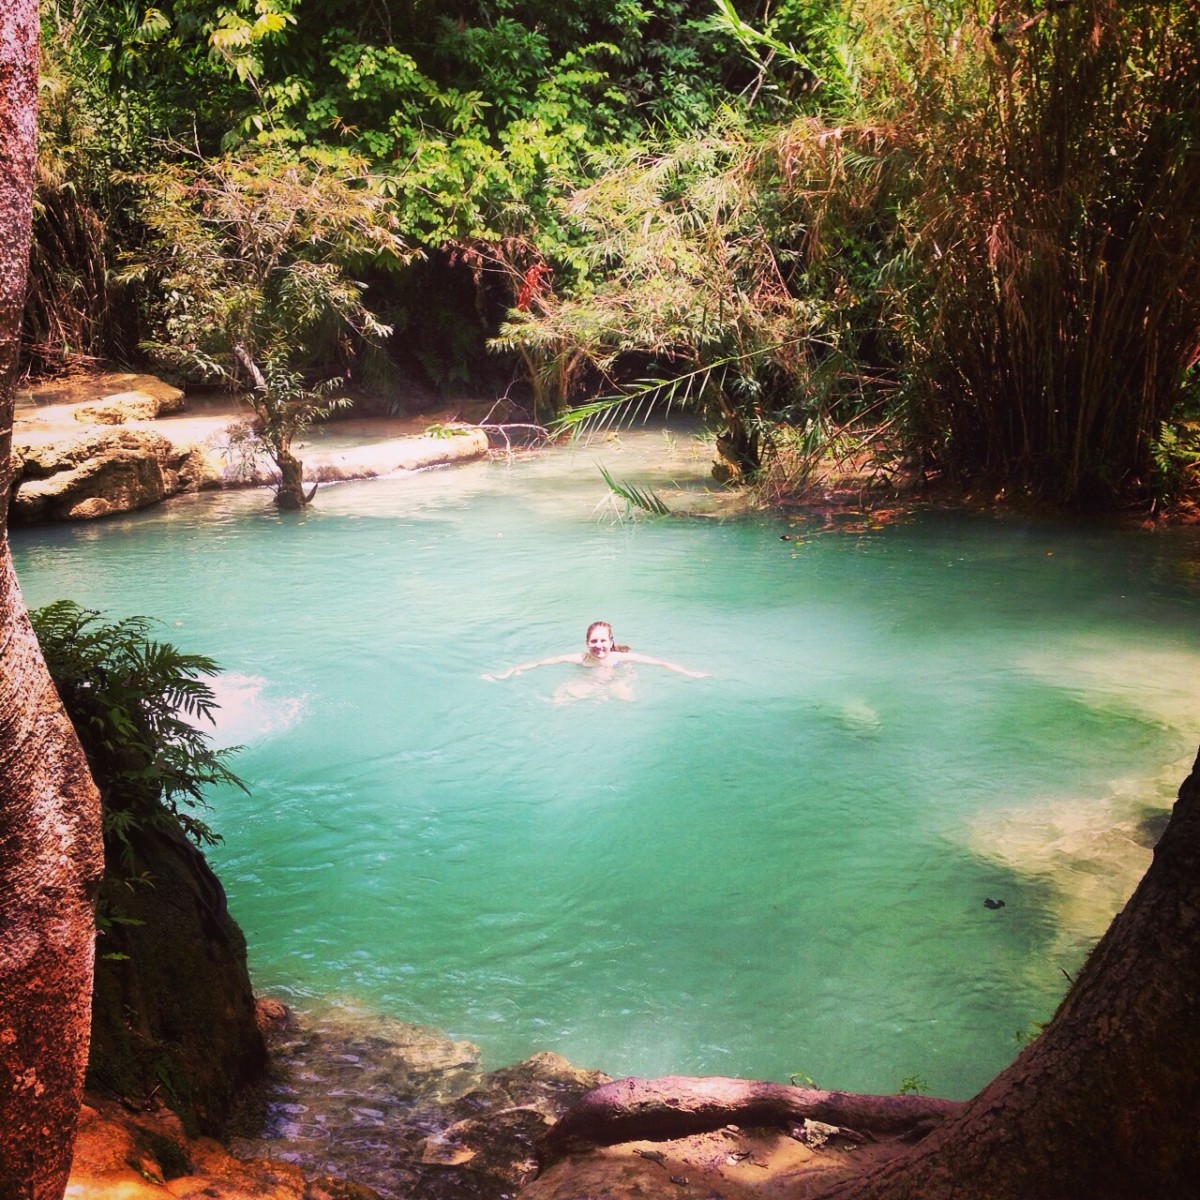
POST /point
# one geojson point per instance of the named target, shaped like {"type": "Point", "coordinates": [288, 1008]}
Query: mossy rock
{"type": "Point", "coordinates": [173, 1014]}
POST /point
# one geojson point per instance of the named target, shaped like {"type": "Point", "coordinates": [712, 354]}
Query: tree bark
{"type": "Point", "coordinates": [50, 851]}
{"type": "Point", "coordinates": [290, 492]}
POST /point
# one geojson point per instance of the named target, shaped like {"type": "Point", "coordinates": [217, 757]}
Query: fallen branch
{"type": "Point", "coordinates": [531, 434]}
{"type": "Point", "coordinates": [676, 1106]}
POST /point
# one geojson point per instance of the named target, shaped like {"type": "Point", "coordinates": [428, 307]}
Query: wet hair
{"type": "Point", "coordinates": [604, 625]}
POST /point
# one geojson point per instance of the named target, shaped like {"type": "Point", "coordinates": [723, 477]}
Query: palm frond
{"type": "Point", "coordinates": [634, 496]}
{"type": "Point", "coordinates": [640, 400]}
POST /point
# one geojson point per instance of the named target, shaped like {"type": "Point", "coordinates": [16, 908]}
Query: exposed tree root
{"type": "Point", "coordinates": [678, 1105]}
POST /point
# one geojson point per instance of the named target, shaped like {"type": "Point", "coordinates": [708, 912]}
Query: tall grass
{"type": "Point", "coordinates": [1057, 225]}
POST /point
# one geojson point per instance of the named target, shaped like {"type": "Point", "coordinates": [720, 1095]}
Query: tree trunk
{"type": "Point", "coordinates": [290, 491]}
{"type": "Point", "coordinates": [628, 1110]}
{"type": "Point", "coordinates": [50, 852]}
{"type": "Point", "coordinates": [1105, 1103]}
{"type": "Point", "coordinates": [739, 446]}
{"type": "Point", "coordinates": [50, 867]}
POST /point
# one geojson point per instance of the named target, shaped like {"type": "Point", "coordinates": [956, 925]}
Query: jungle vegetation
{"type": "Point", "coordinates": [954, 235]}
{"type": "Point", "coordinates": [1101, 1104]}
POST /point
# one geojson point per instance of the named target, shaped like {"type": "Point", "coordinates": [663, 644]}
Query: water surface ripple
{"type": "Point", "coordinates": [776, 870]}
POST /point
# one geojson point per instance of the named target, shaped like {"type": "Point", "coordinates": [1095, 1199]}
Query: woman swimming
{"type": "Point", "coordinates": [600, 651]}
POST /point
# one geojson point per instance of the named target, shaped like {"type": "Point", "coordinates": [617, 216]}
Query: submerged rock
{"type": "Point", "coordinates": [406, 1110]}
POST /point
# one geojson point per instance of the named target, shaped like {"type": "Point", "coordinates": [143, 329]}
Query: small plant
{"type": "Point", "coordinates": [135, 704]}
{"type": "Point", "coordinates": [1176, 458]}
{"type": "Point", "coordinates": [438, 430]}
{"type": "Point", "coordinates": [797, 454]}
{"type": "Point", "coordinates": [800, 1079]}
{"type": "Point", "coordinates": [636, 498]}
{"type": "Point", "coordinates": [1031, 1033]}
{"type": "Point", "coordinates": [913, 1085]}
{"type": "Point", "coordinates": [240, 447]}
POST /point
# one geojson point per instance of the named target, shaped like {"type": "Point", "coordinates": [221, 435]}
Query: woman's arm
{"type": "Point", "coordinates": [633, 656]}
{"type": "Point", "coordinates": [542, 662]}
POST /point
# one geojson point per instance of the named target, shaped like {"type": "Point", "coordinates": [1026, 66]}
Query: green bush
{"type": "Point", "coordinates": [135, 704]}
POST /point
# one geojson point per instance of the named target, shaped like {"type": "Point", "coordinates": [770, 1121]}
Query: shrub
{"type": "Point", "coordinates": [135, 704]}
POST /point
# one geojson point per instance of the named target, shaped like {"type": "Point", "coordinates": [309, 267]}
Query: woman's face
{"type": "Point", "coordinates": [599, 641]}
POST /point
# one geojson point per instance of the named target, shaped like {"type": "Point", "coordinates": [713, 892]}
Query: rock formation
{"type": "Point", "coordinates": [97, 475]}
{"type": "Point", "coordinates": [150, 400]}
{"type": "Point", "coordinates": [173, 1014]}
{"type": "Point", "coordinates": [115, 443]}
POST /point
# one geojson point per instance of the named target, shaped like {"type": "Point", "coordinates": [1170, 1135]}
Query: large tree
{"type": "Point", "coordinates": [50, 857]}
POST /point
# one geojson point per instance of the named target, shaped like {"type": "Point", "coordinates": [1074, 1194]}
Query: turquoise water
{"type": "Point", "coordinates": [777, 869]}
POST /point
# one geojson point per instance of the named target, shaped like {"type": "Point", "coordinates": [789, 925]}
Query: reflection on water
{"type": "Point", "coordinates": [777, 869]}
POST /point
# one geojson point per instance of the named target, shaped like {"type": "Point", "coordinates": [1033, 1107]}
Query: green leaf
{"type": "Point", "coordinates": [634, 496]}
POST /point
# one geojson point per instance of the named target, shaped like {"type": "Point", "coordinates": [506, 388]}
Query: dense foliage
{"type": "Point", "coordinates": [253, 258]}
{"type": "Point", "coordinates": [960, 233]}
{"type": "Point", "coordinates": [1058, 242]}
{"type": "Point", "coordinates": [136, 705]}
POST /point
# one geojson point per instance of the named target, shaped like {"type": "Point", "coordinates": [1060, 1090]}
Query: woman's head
{"type": "Point", "coordinates": [599, 639]}
{"type": "Point", "coordinates": [600, 642]}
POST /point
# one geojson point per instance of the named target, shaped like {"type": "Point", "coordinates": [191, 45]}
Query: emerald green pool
{"type": "Point", "coordinates": [780, 869]}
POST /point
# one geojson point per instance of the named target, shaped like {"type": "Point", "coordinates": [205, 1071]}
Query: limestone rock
{"type": "Point", "coordinates": [98, 388]}
{"type": "Point", "coordinates": [147, 400]}
{"type": "Point", "coordinates": [85, 448]}
{"type": "Point", "coordinates": [102, 474]}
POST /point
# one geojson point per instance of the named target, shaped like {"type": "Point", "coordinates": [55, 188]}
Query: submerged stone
{"type": "Point", "coordinates": [406, 1110]}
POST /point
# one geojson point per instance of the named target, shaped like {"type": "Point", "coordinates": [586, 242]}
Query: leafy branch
{"type": "Point", "coordinates": [136, 705]}
{"type": "Point", "coordinates": [635, 497]}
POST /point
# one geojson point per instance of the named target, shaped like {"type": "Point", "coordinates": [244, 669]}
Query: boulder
{"type": "Point", "coordinates": [173, 1014]}
{"type": "Point", "coordinates": [101, 474]}
{"type": "Point", "coordinates": [146, 400]}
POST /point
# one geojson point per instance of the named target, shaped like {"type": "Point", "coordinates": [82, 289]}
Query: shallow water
{"type": "Point", "coordinates": [776, 870]}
